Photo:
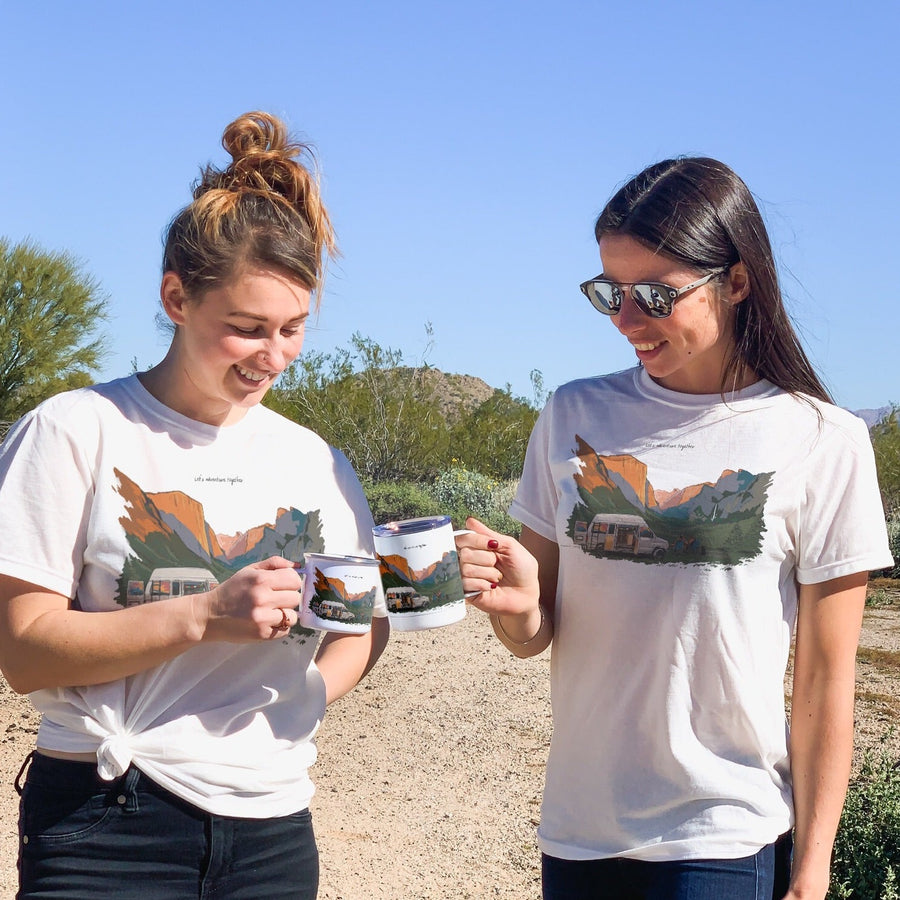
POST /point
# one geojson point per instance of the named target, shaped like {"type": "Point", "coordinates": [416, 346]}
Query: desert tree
{"type": "Point", "coordinates": [50, 315]}
{"type": "Point", "coordinates": [382, 413]}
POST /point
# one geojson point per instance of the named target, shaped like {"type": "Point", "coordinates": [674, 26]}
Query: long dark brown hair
{"type": "Point", "coordinates": [699, 212]}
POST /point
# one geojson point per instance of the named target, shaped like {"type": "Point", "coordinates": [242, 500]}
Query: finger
{"type": "Point", "coordinates": [488, 573]}
{"type": "Point", "coordinates": [480, 528]}
{"type": "Point", "coordinates": [284, 579]}
{"type": "Point", "coordinates": [497, 601]}
{"type": "Point", "coordinates": [478, 557]}
{"type": "Point", "coordinates": [286, 620]}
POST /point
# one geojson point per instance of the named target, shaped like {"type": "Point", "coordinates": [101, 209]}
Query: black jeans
{"type": "Point", "coordinates": [83, 838]}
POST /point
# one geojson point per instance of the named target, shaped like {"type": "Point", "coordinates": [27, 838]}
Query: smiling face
{"type": "Point", "coordinates": [685, 352]}
{"type": "Point", "coordinates": [230, 345]}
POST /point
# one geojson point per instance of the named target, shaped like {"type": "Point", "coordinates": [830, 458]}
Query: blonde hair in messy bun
{"type": "Point", "coordinates": [264, 209]}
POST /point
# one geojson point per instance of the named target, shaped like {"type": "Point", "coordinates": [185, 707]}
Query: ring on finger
{"type": "Point", "coordinates": [285, 623]}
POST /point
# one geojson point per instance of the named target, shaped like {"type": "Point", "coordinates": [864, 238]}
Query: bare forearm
{"type": "Point", "coordinates": [45, 644]}
{"type": "Point", "coordinates": [821, 753]}
{"type": "Point", "coordinates": [828, 625]}
{"type": "Point", "coordinates": [64, 647]}
{"type": "Point", "coordinates": [344, 660]}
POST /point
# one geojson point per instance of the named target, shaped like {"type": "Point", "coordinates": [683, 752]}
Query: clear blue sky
{"type": "Point", "coordinates": [466, 149]}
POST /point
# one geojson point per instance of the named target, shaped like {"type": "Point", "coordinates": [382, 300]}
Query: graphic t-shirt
{"type": "Point", "coordinates": [684, 524]}
{"type": "Point", "coordinates": [113, 499]}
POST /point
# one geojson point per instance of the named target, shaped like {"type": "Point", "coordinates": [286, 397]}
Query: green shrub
{"type": "Point", "coordinates": [879, 598]}
{"type": "Point", "coordinates": [866, 860]}
{"type": "Point", "coordinates": [460, 487]}
{"type": "Point", "coordinates": [462, 493]}
{"type": "Point", "coordinates": [893, 529]}
{"type": "Point", "coordinates": [390, 500]}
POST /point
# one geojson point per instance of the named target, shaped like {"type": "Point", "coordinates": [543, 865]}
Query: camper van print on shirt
{"type": "Point", "coordinates": [620, 515]}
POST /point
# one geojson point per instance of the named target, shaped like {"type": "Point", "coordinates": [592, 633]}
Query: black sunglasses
{"type": "Point", "coordinates": [650, 297]}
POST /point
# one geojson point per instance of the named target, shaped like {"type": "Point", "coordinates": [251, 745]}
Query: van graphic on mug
{"type": "Point", "coordinates": [423, 586]}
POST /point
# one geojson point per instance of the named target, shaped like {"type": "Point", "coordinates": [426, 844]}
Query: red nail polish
{"type": "Point", "coordinates": [493, 586]}
{"type": "Point", "coordinates": [492, 544]}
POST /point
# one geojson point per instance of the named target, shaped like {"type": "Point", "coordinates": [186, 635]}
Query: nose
{"type": "Point", "coordinates": [630, 318]}
{"type": "Point", "coordinates": [275, 356]}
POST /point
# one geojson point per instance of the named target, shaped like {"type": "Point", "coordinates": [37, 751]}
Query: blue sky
{"type": "Point", "coordinates": [466, 149]}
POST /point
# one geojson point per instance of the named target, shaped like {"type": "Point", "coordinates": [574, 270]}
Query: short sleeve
{"type": "Point", "coordinates": [537, 497]}
{"type": "Point", "coordinates": [842, 527]}
{"type": "Point", "coordinates": [45, 498]}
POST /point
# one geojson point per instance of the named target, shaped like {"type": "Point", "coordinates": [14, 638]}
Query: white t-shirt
{"type": "Point", "coordinates": [684, 524]}
{"type": "Point", "coordinates": [112, 498]}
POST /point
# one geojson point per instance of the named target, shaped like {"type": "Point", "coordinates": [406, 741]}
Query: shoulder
{"type": "Point", "coordinates": [620, 384]}
{"type": "Point", "coordinates": [75, 412]}
{"type": "Point", "coordinates": [831, 423]}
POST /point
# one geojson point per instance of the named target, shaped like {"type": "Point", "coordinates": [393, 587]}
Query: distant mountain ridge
{"type": "Point", "coordinates": [872, 416]}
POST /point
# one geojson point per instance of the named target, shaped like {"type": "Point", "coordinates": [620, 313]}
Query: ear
{"type": "Point", "coordinates": [173, 296]}
{"type": "Point", "coordinates": [737, 284]}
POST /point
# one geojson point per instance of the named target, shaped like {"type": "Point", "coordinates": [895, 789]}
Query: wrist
{"type": "Point", "coordinates": [522, 629]}
{"type": "Point", "coordinates": [197, 619]}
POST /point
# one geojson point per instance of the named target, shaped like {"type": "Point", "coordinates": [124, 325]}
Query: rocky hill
{"type": "Point", "coordinates": [454, 393]}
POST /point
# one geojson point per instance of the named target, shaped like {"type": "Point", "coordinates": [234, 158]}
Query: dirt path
{"type": "Point", "coordinates": [430, 772]}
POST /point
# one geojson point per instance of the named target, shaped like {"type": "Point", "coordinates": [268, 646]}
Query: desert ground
{"type": "Point", "coordinates": [430, 773]}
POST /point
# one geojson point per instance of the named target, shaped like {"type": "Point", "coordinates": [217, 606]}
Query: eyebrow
{"type": "Point", "coordinates": [254, 317]}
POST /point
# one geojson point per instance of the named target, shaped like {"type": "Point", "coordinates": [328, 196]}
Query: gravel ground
{"type": "Point", "coordinates": [430, 772]}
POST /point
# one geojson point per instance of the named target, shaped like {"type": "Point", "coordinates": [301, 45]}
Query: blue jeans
{"type": "Point", "coordinates": [763, 876]}
{"type": "Point", "coordinates": [83, 838]}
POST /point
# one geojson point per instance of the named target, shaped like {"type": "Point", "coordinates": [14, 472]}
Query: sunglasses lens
{"type": "Point", "coordinates": [654, 299]}
{"type": "Point", "coordinates": [605, 296]}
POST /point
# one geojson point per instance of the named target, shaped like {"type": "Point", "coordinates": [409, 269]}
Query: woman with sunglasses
{"type": "Point", "coordinates": [148, 590]}
{"type": "Point", "coordinates": [680, 519]}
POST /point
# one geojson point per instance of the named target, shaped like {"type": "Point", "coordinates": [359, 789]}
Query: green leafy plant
{"type": "Point", "coordinates": [493, 437]}
{"type": "Point", "coordinates": [391, 500]}
{"type": "Point", "coordinates": [866, 859]}
{"type": "Point", "coordinates": [893, 529]}
{"type": "Point", "coordinates": [462, 493]}
{"type": "Point", "coordinates": [50, 313]}
{"type": "Point", "coordinates": [880, 598]}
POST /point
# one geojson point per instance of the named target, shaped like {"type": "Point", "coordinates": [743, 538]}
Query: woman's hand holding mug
{"type": "Point", "coordinates": [259, 602]}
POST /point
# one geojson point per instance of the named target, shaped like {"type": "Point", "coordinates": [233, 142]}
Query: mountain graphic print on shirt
{"type": "Point", "coordinates": [620, 515]}
{"type": "Point", "coordinates": [176, 552]}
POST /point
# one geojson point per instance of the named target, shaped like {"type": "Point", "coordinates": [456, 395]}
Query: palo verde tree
{"type": "Point", "coordinates": [364, 400]}
{"type": "Point", "coordinates": [493, 437]}
{"type": "Point", "coordinates": [50, 311]}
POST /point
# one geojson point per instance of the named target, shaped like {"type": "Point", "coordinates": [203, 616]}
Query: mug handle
{"type": "Point", "coordinates": [466, 596]}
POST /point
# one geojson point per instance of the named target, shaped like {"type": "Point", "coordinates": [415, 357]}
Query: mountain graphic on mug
{"type": "Point", "coordinates": [332, 600]}
{"type": "Point", "coordinates": [439, 582]}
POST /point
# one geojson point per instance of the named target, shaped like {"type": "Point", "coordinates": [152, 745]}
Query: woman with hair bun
{"type": "Point", "coordinates": [148, 591]}
{"type": "Point", "coordinates": [681, 521]}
